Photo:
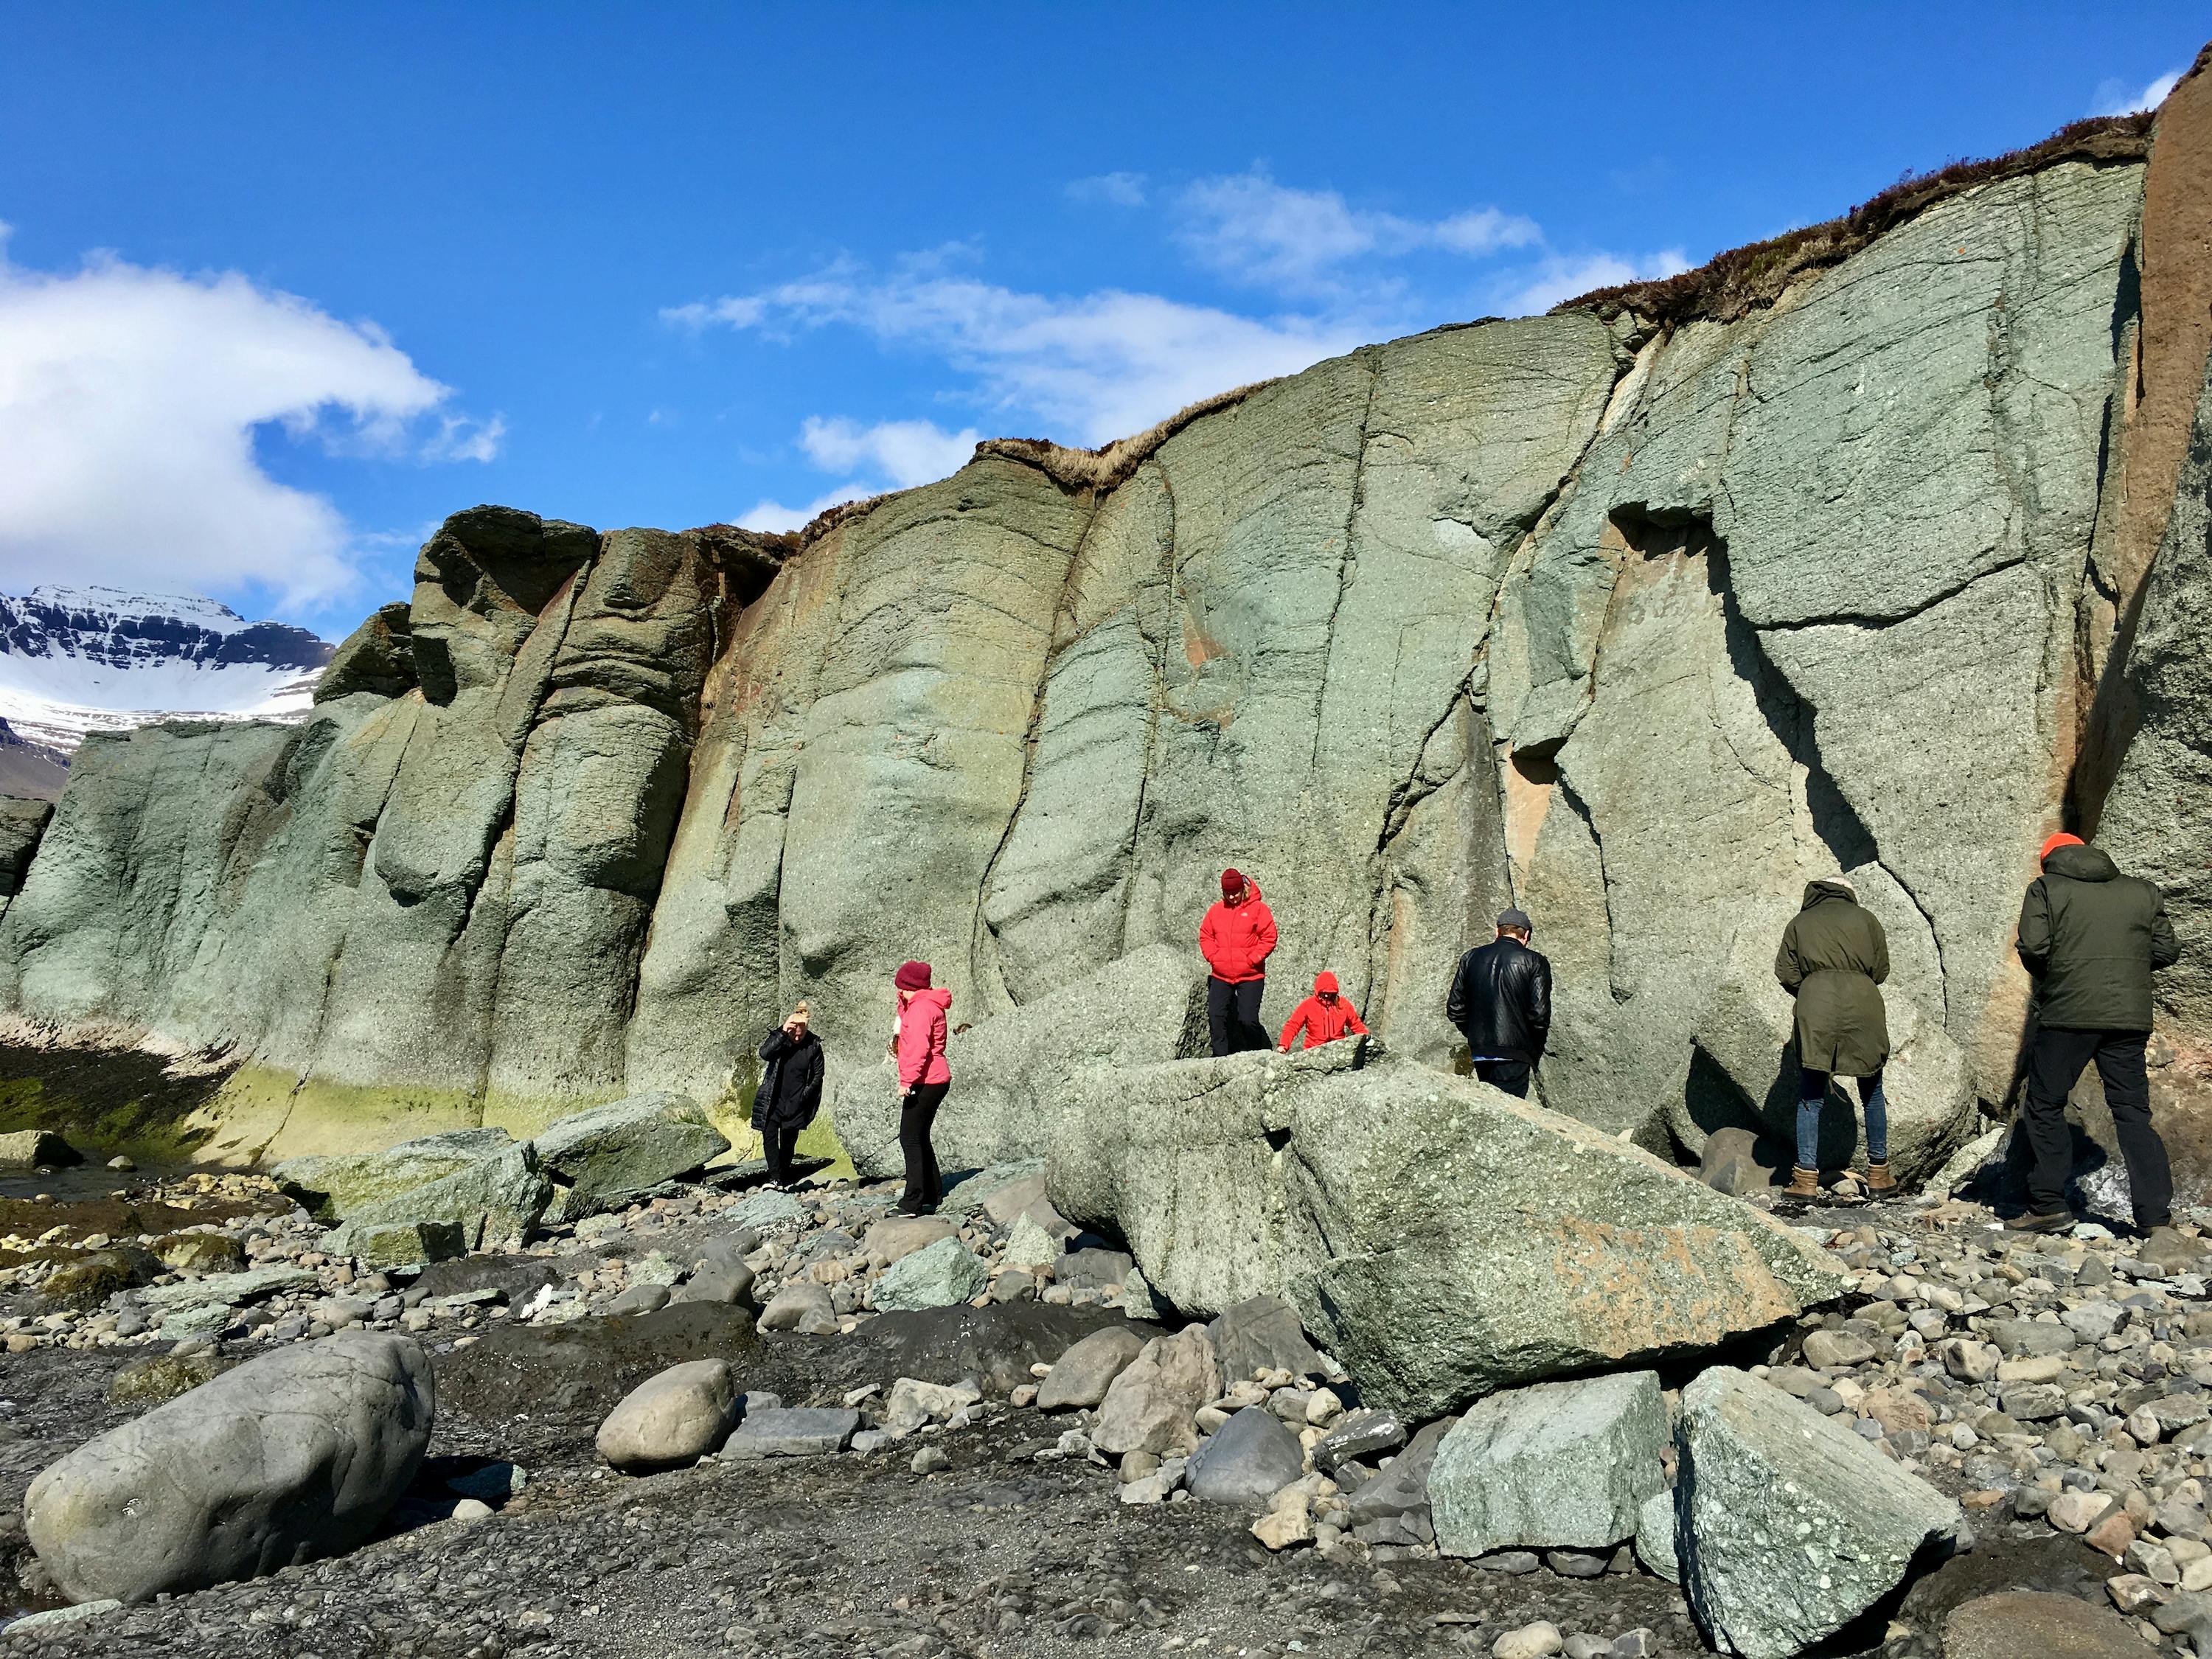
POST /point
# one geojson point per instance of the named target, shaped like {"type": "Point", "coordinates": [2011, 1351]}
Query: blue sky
{"type": "Point", "coordinates": [283, 285]}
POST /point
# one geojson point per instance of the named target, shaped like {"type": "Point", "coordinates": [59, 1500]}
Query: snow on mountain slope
{"type": "Point", "coordinates": [79, 659]}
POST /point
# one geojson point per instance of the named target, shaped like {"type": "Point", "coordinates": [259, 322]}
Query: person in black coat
{"type": "Point", "coordinates": [1501, 1000]}
{"type": "Point", "coordinates": [790, 1092]}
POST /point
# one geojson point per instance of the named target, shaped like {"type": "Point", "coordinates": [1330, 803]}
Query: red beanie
{"type": "Point", "coordinates": [1231, 882]}
{"type": "Point", "coordinates": [1324, 981]}
{"type": "Point", "coordinates": [912, 976]}
{"type": "Point", "coordinates": [2062, 839]}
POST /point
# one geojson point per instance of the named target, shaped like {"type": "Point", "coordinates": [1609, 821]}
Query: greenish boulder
{"type": "Point", "coordinates": [1559, 1465]}
{"type": "Point", "coordinates": [159, 1378]}
{"type": "Point", "coordinates": [1791, 1525]}
{"type": "Point", "coordinates": [939, 1276]}
{"type": "Point", "coordinates": [602, 1158]}
{"type": "Point", "coordinates": [91, 1280]}
{"type": "Point", "coordinates": [1442, 1239]}
{"type": "Point", "coordinates": [333, 1187]}
{"type": "Point", "coordinates": [488, 1200]}
{"type": "Point", "coordinates": [196, 1305]}
{"type": "Point", "coordinates": [397, 1244]}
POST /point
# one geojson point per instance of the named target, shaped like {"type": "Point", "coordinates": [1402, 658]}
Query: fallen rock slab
{"type": "Point", "coordinates": [193, 1305]}
{"type": "Point", "coordinates": [1559, 1465]}
{"type": "Point", "coordinates": [601, 1159]}
{"type": "Point", "coordinates": [293, 1456]}
{"type": "Point", "coordinates": [672, 1419]}
{"type": "Point", "coordinates": [490, 1199]}
{"type": "Point", "coordinates": [791, 1431]}
{"type": "Point", "coordinates": [1262, 1333]}
{"type": "Point", "coordinates": [332, 1187]}
{"type": "Point", "coordinates": [1441, 1239]}
{"type": "Point", "coordinates": [1790, 1525]}
{"type": "Point", "coordinates": [1394, 1507]}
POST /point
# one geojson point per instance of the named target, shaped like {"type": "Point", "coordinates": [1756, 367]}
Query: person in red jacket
{"type": "Point", "coordinates": [924, 1076]}
{"type": "Point", "coordinates": [1324, 1017]}
{"type": "Point", "coordinates": [1235, 938]}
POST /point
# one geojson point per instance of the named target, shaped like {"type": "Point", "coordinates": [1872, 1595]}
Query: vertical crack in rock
{"type": "Point", "coordinates": [1347, 559]}
{"type": "Point", "coordinates": [1580, 810]}
{"type": "Point", "coordinates": [1171, 567]}
{"type": "Point", "coordinates": [979, 929]}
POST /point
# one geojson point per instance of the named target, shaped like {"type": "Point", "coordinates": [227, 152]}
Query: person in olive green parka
{"type": "Point", "coordinates": [1833, 960]}
{"type": "Point", "coordinates": [2092, 938]}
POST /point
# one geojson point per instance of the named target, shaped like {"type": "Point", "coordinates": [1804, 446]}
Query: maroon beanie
{"type": "Point", "coordinates": [1231, 882]}
{"type": "Point", "coordinates": [912, 976]}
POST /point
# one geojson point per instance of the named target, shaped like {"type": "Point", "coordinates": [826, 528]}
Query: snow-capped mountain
{"type": "Point", "coordinates": [79, 659]}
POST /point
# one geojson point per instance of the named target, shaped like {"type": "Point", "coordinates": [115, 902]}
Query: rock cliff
{"type": "Point", "coordinates": [1638, 615]}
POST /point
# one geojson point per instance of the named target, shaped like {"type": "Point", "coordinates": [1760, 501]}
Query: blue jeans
{"type": "Point", "coordinates": [1812, 1090]}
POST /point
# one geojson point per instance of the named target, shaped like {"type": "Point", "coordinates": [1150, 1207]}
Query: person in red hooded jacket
{"type": "Point", "coordinates": [1235, 938]}
{"type": "Point", "coordinates": [924, 1075]}
{"type": "Point", "coordinates": [1324, 1017]}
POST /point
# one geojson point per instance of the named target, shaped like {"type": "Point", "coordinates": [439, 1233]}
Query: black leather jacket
{"type": "Point", "coordinates": [1501, 1000]}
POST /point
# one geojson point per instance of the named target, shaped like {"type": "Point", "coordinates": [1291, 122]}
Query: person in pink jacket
{"type": "Point", "coordinates": [924, 1076]}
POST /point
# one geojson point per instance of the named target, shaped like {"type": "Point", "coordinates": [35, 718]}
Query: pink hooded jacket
{"type": "Point", "coordinates": [921, 1038]}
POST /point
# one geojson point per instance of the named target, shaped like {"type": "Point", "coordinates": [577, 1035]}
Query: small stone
{"type": "Point", "coordinates": [1837, 1349]}
{"type": "Point", "coordinates": [1081, 1376]}
{"type": "Point", "coordinates": [2131, 1592]}
{"type": "Point", "coordinates": [930, 1459]}
{"type": "Point", "coordinates": [1288, 1521]}
{"type": "Point", "coordinates": [472, 1509]}
{"type": "Point", "coordinates": [1538, 1641]}
{"type": "Point", "coordinates": [673, 1417]}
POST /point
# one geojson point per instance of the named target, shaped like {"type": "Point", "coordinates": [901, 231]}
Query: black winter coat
{"type": "Point", "coordinates": [2091, 936]}
{"type": "Point", "coordinates": [791, 1082]}
{"type": "Point", "coordinates": [1501, 1000]}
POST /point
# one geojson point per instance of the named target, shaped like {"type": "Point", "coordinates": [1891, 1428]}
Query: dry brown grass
{"type": "Point", "coordinates": [1116, 464]}
{"type": "Point", "coordinates": [1746, 278]}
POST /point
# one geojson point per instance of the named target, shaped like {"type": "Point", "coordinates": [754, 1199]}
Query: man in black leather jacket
{"type": "Point", "coordinates": [1501, 1000]}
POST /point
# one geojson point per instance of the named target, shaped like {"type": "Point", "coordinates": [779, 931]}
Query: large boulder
{"type": "Point", "coordinates": [334, 1186]}
{"type": "Point", "coordinates": [293, 1456]}
{"type": "Point", "coordinates": [602, 1158]}
{"type": "Point", "coordinates": [487, 1199]}
{"type": "Point", "coordinates": [1559, 1465]}
{"type": "Point", "coordinates": [1148, 1006]}
{"type": "Point", "coordinates": [1443, 1239]}
{"type": "Point", "coordinates": [36, 1149]}
{"type": "Point", "coordinates": [1789, 1525]}
{"type": "Point", "coordinates": [673, 1417]}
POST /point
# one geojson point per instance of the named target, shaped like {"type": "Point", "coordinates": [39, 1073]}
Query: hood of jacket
{"type": "Point", "coordinates": [2080, 864]}
{"type": "Point", "coordinates": [939, 995]}
{"type": "Point", "coordinates": [1826, 888]}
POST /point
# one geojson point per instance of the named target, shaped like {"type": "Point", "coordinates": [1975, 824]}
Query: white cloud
{"type": "Point", "coordinates": [911, 452]}
{"type": "Point", "coordinates": [1094, 367]}
{"type": "Point", "coordinates": [775, 516]}
{"type": "Point", "coordinates": [130, 399]}
{"type": "Point", "coordinates": [1562, 277]}
{"type": "Point", "coordinates": [1253, 230]}
{"type": "Point", "coordinates": [1115, 189]}
{"type": "Point", "coordinates": [2113, 97]}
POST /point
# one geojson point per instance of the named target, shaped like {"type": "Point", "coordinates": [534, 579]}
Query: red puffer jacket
{"type": "Point", "coordinates": [1322, 1022]}
{"type": "Point", "coordinates": [1235, 938]}
{"type": "Point", "coordinates": [921, 1038]}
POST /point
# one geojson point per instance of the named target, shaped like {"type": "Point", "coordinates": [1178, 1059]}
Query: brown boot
{"type": "Point", "coordinates": [1879, 1179]}
{"type": "Point", "coordinates": [1803, 1183]}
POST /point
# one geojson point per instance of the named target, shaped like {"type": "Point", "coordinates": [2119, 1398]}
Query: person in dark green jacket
{"type": "Point", "coordinates": [1833, 959]}
{"type": "Point", "coordinates": [2092, 938]}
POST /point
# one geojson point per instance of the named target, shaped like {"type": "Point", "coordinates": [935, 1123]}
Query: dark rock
{"type": "Point", "coordinates": [1394, 1507]}
{"type": "Point", "coordinates": [1249, 1459]}
{"type": "Point", "coordinates": [1361, 1434]}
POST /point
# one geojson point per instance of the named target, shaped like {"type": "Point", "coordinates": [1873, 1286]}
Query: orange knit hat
{"type": "Point", "coordinates": [2062, 839]}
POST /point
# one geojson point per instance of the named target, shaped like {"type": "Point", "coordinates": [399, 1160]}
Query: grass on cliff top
{"type": "Point", "coordinates": [1746, 278]}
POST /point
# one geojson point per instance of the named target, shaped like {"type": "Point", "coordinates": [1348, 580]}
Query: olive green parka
{"type": "Point", "coordinates": [2093, 937]}
{"type": "Point", "coordinates": [1833, 960]}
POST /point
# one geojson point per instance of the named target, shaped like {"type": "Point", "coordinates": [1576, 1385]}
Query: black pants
{"type": "Point", "coordinates": [2056, 1061]}
{"type": "Point", "coordinates": [1232, 1015]}
{"type": "Point", "coordinates": [779, 1145]}
{"type": "Point", "coordinates": [1511, 1075]}
{"type": "Point", "coordinates": [916, 1116]}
